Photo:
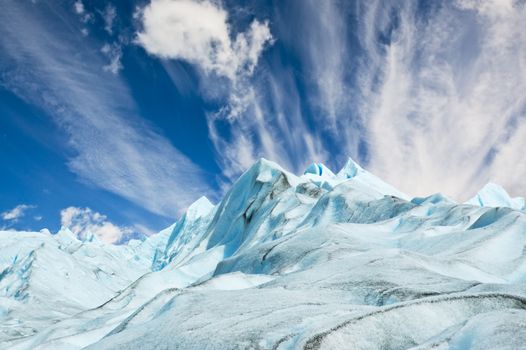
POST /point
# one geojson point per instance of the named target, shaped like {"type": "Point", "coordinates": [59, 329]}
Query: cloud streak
{"type": "Point", "coordinates": [448, 111]}
{"type": "Point", "coordinates": [112, 147]}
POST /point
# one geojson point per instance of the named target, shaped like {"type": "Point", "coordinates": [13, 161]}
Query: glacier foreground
{"type": "Point", "coordinates": [318, 261]}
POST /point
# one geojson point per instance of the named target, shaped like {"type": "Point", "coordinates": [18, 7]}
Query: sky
{"type": "Point", "coordinates": [117, 115]}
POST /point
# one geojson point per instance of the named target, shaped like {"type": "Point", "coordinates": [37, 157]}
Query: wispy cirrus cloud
{"type": "Point", "coordinates": [444, 100]}
{"type": "Point", "coordinates": [327, 60]}
{"type": "Point", "coordinates": [429, 96]}
{"type": "Point", "coordinates": [272, 126]}
{"type": "Point", "coordinates": [45, 63]}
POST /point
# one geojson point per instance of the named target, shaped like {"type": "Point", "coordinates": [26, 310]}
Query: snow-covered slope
{"type": "Point", "coordinates": [317, 261]}
{"type": "Point", "coordinates": [45, 278]}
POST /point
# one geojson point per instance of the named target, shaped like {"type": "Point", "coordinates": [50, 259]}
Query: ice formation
{"type": "Point", "coordinates": [317, 261]}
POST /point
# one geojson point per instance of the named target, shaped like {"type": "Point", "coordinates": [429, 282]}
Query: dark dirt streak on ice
{"type": "Point", "coordinates": [122, 326]}
{"type": "Point", "coordinates": [315, 341]}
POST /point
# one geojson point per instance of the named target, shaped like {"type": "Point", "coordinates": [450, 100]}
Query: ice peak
{"type": "Point", "coordinates": [263, 164]}
{"type": "Point", "coordinates": [66, 236]}
{"type": "Point", "coordinates": [493, 187]}
{"type": "Point", "coordinates": [318, 169]}
{"type": "Point", "coordinates": [350, 169]}
{"type": "Point", "coordinates": [264, 171]}
{"type": "Point", "coordinates": [200, 207]}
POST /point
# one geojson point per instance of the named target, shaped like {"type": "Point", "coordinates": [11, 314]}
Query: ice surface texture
{"type": "Point", "coordinates": [317, 261]}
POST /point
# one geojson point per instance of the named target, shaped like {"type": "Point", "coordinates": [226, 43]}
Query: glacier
{"type": "Point", "coordinates": [319, 261]}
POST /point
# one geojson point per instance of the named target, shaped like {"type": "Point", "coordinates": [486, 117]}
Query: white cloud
{"type": "Point", "coordinates": [79, 7]}
{"type": "Point", "coordinates": [109, 15]}
{"type": "Point", "coordinates": [198, 32]}
{"type": "Point", "coordinates": [16, 213]}
{"type": "Point", "coordinates": [189, 30]}
{"type": "Point", "coordinates": [84, 222]}
{"type": "Point", "coordinates": [112, 147]}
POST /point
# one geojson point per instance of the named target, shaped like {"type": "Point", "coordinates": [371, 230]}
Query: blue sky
{"type": "Point", "coordinates": [116, 115]}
